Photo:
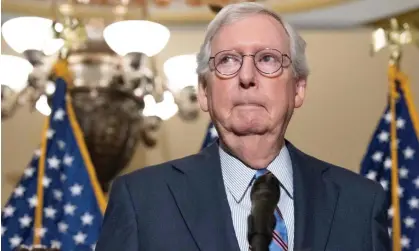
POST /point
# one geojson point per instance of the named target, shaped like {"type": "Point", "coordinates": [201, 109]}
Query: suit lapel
{"type": "Point", "coordinates": [199, 192]}
{"type": "Point", "coordinates": [315, 201]}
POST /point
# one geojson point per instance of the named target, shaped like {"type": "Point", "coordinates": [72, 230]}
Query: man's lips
{"type": "Point", "coordinates": [249, 105]}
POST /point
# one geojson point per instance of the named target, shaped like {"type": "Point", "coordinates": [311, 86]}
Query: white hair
{"type": "Point", "coordinates": [235, 12]}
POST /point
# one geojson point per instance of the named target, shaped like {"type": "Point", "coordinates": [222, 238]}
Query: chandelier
{"type": "Point", "coordinates": [118, 96]}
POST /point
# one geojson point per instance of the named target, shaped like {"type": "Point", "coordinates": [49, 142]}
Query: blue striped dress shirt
{"type": "Point", "coordinates": [237, 180]}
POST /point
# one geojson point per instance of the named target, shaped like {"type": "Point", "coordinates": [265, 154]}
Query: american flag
{"type": "Point", "coordinates": [210, 135]}
{"type": "Point", "coordinates": [58, 202]}
{"type": "Point", "coordinates": [377, 163]}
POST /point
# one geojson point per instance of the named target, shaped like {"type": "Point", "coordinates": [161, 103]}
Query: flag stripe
{"type": "Point", "coordinates": [78, 133]}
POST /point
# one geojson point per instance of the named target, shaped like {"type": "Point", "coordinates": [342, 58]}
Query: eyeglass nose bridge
{"type": "Point", "coordinates": [253, 60]}
{"type": "Point", "coordinates": [248, 55]}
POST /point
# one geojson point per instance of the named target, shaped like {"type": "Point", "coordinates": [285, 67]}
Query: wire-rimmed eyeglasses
{"type": "Point", "coordinates": [267, 61]}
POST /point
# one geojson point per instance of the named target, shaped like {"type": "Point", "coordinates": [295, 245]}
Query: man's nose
{"type": "Point", "coordinates": [247, 73]}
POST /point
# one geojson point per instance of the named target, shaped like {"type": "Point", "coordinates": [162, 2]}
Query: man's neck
{"type": "Point", "coordinates": [256, 151]}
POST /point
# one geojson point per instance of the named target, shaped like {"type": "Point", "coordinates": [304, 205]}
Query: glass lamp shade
{"type": "Point", "coordinates": [180, 72]}
{"type": "Point", "coordinates": [42, 106]}
{"type": "Point", "coordinates": [143, 36]}
{"type": "Point", "coordinates": [164, 109]}
{"type": "Point", "coordinates": [14, 72]}
{"type": "Point", "coordinates": [31, 33]}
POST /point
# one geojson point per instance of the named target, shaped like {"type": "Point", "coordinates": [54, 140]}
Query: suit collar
{"type": "Point", "coordinates": [315, 201]}
{"type": "Point", "coordinates": [198, 189]}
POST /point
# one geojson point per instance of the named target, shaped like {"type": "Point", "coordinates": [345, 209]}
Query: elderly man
{"type": "Point", "coordinates": [253, 74]}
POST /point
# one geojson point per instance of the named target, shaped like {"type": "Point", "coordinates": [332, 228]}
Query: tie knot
{"type": "Point", "coordinates": [261, 172]}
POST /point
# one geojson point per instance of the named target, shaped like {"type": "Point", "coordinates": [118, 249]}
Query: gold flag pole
{"type": "Point", "coordinates": [394, 37]}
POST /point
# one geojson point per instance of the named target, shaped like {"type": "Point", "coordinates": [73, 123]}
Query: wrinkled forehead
{"type": "Point", "coordinates": [251, 33]}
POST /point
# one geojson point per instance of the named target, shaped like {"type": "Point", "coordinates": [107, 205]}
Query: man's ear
{"type": "Point", "coordinates": [202, 93]}
{"type": "Point", "coordinates": [300, 92]}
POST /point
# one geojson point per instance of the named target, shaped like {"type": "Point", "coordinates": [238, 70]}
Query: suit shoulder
{"type": "Point", "coordinates": [347, 179]}
{"type": "Point", "coordinates": [154, 173]}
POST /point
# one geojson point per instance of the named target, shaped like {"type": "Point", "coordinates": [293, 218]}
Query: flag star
{"type": "Point", "coordinates": [25, 221]}
{"type": "Point", "coordinates": [69, 209]}
{"type": "Point", "coordinates": [384, 184]}
{"type": "Point", "coordinates": [58, 194]}
{"type": "Point", "coordinates": [387, 163]}
{"type": "Point", "coordinates": [68, 160]}
{"type": "Point", "coordinates": [63, 177]}
{"type": "Point", "coordinates": [93, 247]}
{"type": "Point", "coordinates": [61, 144]}
{"type": "Point", "coordinates": [377, 156]}
{"type": "Point", "coordinates": [408, 153]}
{"type": "Point", "coordinates": [54, 162]}
{"type": "Point", "coordinates": [383, 136]}
{"type": "Point", "coordinates": [55, 244]}
{"type": "Point", "coordinates": [50, 133]}
{"type": "Point", "coordinates": [388, 117]}
{"type": "Point", "coordinates": [37, 152]}
{"type": "Point", "coordinates": [15, 241]}
{"type": "Point", "coordinates": [29, 172]}
{"type": "Point", "coordinates": [3, 230]}
{"type": "Point", "coordinates": [416, 182]}
{"type": "Point", "coordinates": [372, 175]}
{"type": "Point", "coordinates": [409, 222]}
{"type": "Point", "coordinates": [76, 189]}
{"type": "Point", "coordinates": [50, 212]}
{"type": "Point", "coordinates": [19, 191]}
{"type": "Point", "coordinates": [413, 203]}
{"type": "Point", "coordinates": [403, 172]}
{"type": "Point", "coordinates": [405, 242]}
{"type": "Point", "coordinates": [9, 211]}
{"type": "Point", "coordinates": [401, 191]}
{"type": "Point", "coordinates": [33, 201]}
{"type": "Point", "coordinates": [40, 232]}
{"type": "Point", "coordinates": [46, 181]}
{"type": "Point", "coordinates": [390, 212]}
{"type": "Point", "coordinates": [62, 227]}
{"type": "Point", "coordinates": [400, 123]}
{"type": "Point", "coordinates": [59, 114]}
{"type": "Point", "coordinates": [87, 219]}
{"type": "Point", "coordinates": [79, 238]}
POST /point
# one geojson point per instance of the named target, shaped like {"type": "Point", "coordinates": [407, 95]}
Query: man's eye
{"type": "Point", "coordinates": [227, 59]}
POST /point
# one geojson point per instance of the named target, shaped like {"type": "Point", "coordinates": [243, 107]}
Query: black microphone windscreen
{"type": "Point", "coordinates": [266, 187]}
{"type": "Point", "coordinates": [264, 196]}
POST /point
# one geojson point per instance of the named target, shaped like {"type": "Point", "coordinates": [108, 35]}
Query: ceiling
{"type": "Point", "coordinates": [304, 14]}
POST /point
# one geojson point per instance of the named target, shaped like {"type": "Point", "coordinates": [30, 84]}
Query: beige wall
{"type": "Point", "coordinates": [346, 96]}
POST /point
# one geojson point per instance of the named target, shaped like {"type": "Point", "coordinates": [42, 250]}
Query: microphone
{"type": "Point", "coordinates": [261, 222]}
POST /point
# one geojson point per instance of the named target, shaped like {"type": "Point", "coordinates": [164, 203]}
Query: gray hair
{"type": "Point", "coordinates": [234, 12]}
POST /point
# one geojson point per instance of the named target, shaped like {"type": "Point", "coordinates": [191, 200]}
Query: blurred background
{"type": "Point", "coordinates": [134, 82]}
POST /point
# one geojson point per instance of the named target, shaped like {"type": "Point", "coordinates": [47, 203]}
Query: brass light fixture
{"type": "Point", "coordinates": [118, 97]}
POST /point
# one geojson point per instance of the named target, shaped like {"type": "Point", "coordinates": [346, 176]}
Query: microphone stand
{"type": "Point", "coordinates": [259, 240]}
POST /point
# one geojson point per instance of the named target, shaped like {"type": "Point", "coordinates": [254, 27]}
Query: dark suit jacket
{"type": "Point", "coordinates": [181, 205]}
